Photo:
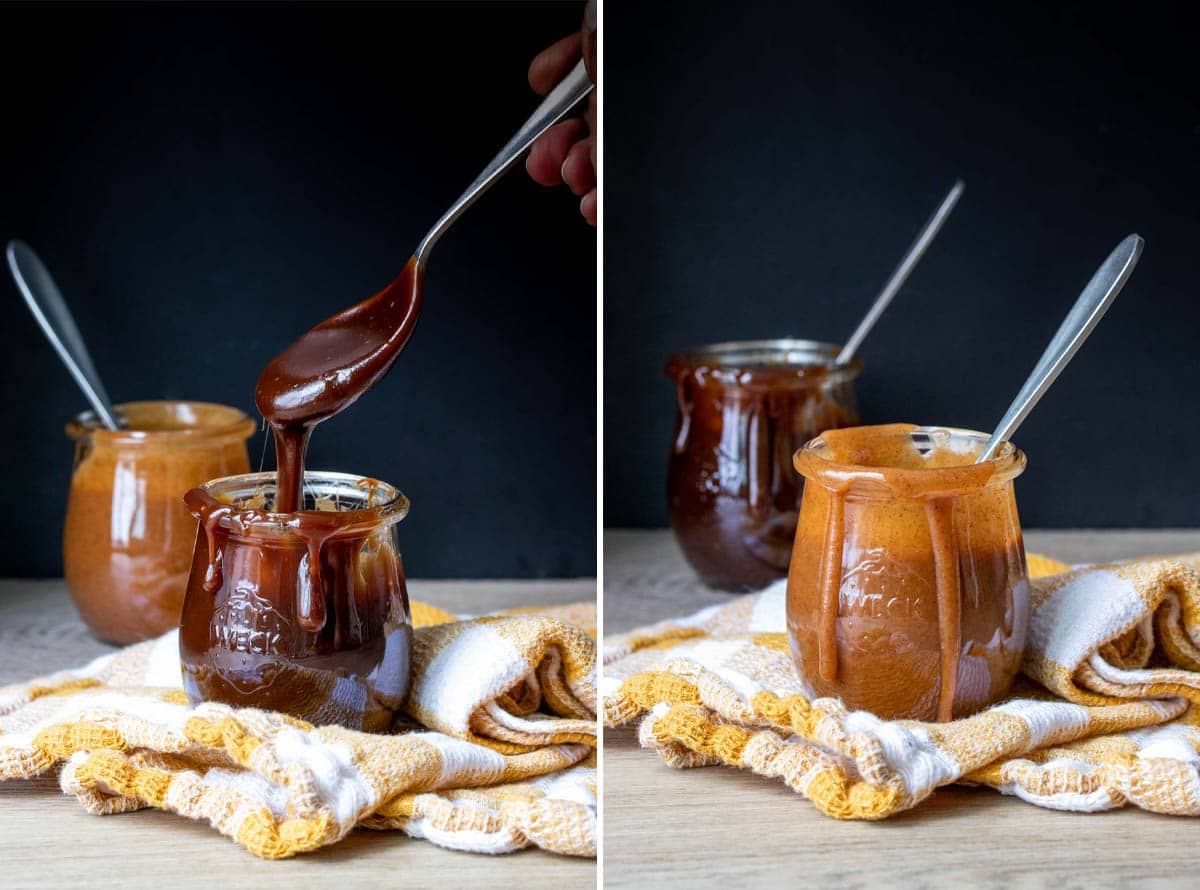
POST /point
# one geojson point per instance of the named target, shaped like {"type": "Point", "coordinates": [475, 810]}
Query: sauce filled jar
{"type": "Point", "coordinates": [127, 541]}
{"type": "Point", "coordinates": [744, 409]}
{"type": "Point", "coordinates": [908, 594]}
{"type": "Point", "coordinates": [304, 612]}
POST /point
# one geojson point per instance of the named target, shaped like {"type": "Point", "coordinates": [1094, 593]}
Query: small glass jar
{"type": "Point", "coordinates": [744, 409]}
{"type": "Point", "coordinates": [127, 541]}
{"type": "Point", "coordinates": [908, 594]}
{"type": "Point", "coordinates": [305, 613]}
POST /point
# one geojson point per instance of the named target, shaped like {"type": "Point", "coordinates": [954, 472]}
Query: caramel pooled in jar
{"type": "Point", "coordinates": [908, 594]}
{"type": "Point", "coordinates": [744, 409]}
{"type": "Point", "coordinates": [305, 613]}
{"type": "Point", "coordinates": [127, 542]}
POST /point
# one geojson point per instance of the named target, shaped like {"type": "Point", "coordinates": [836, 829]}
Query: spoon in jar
{"type": "Point", "coordinates": [1099, 294]}
{"type": "Point", "coordinates": [901, 274]}
{"type": "Point", "coordinates": [46, 302]}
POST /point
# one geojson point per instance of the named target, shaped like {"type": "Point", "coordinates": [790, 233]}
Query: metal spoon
{"type": "Point", "coordinates": [901, 274]}
{"type": "Point", "coordinates": [560, 100]}
{"type": "Point", "coordinates": [1079, 323]}
{"type": "Point", "coordinates": [46, 303]}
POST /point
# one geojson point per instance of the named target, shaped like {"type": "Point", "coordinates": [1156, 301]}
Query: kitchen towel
{"type": "Point", "coordinates": [1102, 717]}
{"type": "Point", "coordinates": [497, 754]}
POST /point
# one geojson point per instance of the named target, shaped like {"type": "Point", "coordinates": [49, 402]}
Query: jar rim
{"type": "Point", "coordinates": [228, 422]}
{"type": "Point", "coordinates": [786, 352]}
{"type": "Point", "coordinates": [1008, 463]}
{"type": "Point", "coordinates": [391, 507]}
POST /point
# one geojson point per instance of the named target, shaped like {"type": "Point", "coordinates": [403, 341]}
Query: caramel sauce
{"type": "Point", "coordinates": [328, 368]}
{"type": "Point", "coordinates": [286, 605]}
{"type": "Point", "coordinates": [831, 585]}
{"type": "Point", "coordinates": [940, 513]}
{"type": "Point", "coordinates": [127, 540]}
{"type": "Point", "coordinates": [890, 543]}
{"type": "Point", "coordinates": [733, 495]}
{"type": "Point", "coordinates": [281, 608]}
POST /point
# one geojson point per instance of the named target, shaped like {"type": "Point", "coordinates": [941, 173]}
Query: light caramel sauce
{"type": "Point", "coordinates": [831, 585]}
{"type": "Point", "coordinates": [940, 513]}
{"type": "Point", "coordinates": [886, 457]}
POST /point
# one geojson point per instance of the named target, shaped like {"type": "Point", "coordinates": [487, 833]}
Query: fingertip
{"type": "Point", "coordinates": [550, 150]}
{"type": "Point", "coordinates": [577, 171]}
{"type": "Point", "coordinates": [587, 207]}
{"type": "Point", "coordinates": [529, 165]}
{"type": "Point", "coordinates": [551, 64]}
{"type": "Point", "coordinates": [537, 79]}
{"type": "Point", "coordinates": [541, 166]}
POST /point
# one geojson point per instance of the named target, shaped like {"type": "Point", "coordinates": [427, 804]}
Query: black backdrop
{"type": "Point", "coordinates": [767, 165]}
{"type": "Point", "coordinates": [207, 182]}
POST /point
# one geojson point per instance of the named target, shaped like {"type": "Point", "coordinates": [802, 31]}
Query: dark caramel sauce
{"type": "Point", "coordinates": [282, 608]}
{"type": "Point", "coordinates": [733, 494]}
{"type": "Point", "coordinates": [319, 375]}
{"type": "Point", "coordinates": [328, 368]}
{"type": "Point", "coordinates": [286, 603]}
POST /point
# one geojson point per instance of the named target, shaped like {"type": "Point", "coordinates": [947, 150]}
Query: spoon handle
{"type": "Point", "coordinates": [560, 100]}
{"type": "Point", "coordinates": [901, 274]}
{"type": "Point", "coordinates": [46, 303]}
{"type": "Point", "coordinates": [1079, 323]}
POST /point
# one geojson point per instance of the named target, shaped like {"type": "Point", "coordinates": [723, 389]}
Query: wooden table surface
{"type": "Point", "coordinates": [48, 841]}
{"type": "Point", "coordinates": [726, 827]}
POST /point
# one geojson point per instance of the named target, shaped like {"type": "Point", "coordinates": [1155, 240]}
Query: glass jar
{"type": "Point", "coordinates": [744, 409]}
{"type": "Point", "coordinates": [908, 594]}
{"type": "Point", "coordinates": [305, 613]}
{"type": "Point", "coordinates": [127, 542]}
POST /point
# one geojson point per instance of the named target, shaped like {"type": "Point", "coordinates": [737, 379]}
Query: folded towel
{"type": "Point", "coordinates": [500, 756]}
{"type": "Point", "coordinates": [1114, 651]}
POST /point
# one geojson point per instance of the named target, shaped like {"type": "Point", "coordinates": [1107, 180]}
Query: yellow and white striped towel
{"type": "Point", "coordinates": [1114, 651]}
{"type": "Point", "coordinates": [500, 756]}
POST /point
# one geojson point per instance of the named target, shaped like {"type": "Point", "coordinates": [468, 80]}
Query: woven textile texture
{"type": "Point", "coordinates": [1101, 717]}
{"type": "Point", "coordinates": [496, 751]}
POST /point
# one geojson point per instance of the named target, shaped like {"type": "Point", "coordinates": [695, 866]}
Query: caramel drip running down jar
{"type": "Point", "coordinates": [908, 594]}
{"type": "Point", "coordinates": [304, 612]}
{"type": "Point", "coordinates": [127, 541]}
{"type": "Point", "coordinates": [744, 409]}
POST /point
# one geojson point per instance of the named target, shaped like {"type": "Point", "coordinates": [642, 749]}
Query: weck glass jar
{"type": "Point", "coordinates": [127, 541]}
{"type": "Point", "coordinates": [744, 409]}
{"type": "Point", "coordinates": [306, 612]}
{"type": "Point", "coordinates": [908, 594]}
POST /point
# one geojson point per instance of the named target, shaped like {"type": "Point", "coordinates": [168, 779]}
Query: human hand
{"type": "Point", "coordinates": [566, 153]}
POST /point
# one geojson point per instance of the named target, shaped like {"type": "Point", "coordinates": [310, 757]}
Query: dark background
{"type": "Point", "coordinates": [768, 164]}
{"type": "Point", "coordinates": [208, 182]}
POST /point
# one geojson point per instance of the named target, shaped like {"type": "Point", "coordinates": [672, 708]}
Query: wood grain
{"type": "Point", "coordinates": [722, 827]}
{"type": "Point", "coordinates": [48, 841]}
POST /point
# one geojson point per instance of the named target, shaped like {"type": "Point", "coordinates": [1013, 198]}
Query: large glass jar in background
{"type": "Point", "coordinates": [305, 613]}
{"type": "Point", "coordinates": [127, 542]}
{"type": "Point", "coordinates": [908, 595]}
{"type": "Point", "coordinates": [744, 409]}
